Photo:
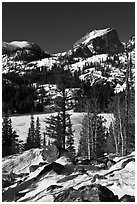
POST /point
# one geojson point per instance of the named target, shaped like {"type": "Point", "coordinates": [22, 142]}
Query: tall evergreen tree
{"type": "Point", "coordinates": [70, 140]}
{"type": "Point", "coordinates": [30, 141]}
{"type": "Point", "coordinates": [10, 143]}
{"type": "Point", "coordinates": [44, 139]}
{"type": "Point", "coordinates": [62, 80]}
{"type": "Point", "coordinates": [37, 134]}
{"type": "Point", "coordinates": [54, 129]}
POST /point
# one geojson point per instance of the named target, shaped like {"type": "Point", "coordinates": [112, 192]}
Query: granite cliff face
{"type": "Point", "coordinates": [98, 42]}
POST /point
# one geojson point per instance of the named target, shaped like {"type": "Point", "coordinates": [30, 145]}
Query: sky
{"type": "Point", "coordinates": [56, 26]}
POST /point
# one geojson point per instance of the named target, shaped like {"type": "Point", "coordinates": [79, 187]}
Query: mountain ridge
{"type": "Point", "coordinates": [96, 47]}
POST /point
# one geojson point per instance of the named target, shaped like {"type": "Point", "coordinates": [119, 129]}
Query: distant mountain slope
{"type": "Point", "coordinates": [23, 51]}
{"type": "Point", "coordinates": [98, 56]}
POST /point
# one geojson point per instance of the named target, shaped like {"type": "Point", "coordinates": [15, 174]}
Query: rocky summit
{"type": "Point", "coordinates": [98, 42]}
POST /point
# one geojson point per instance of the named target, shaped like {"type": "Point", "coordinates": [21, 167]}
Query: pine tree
{"type": "Point", "coordinates": [37, 134]}
{"type": "Point", "coordinates": [129, 106]}
{"type": "Point", "coordinates": [54, 129]}
{"type": "Point", "coordinates": [10, 143]}
{"type": "Point", "coordinates": [70, 140]}
{"type": "Point", "coordinates": [30, 141]}
{"type": "Point", "coordinates": [101, 136]}
{"type": "Point", "coordinates": [44, 139]}
{"type": "Point", "coordinates": [63, 78]}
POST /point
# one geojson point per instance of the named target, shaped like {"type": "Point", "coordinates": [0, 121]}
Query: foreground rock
{"type": "Point", "coordinates": [50, 153]}
{"type": "Point", "coordinates": [89, 193]}
{"type": "Point", "coordinates": [57, 168]}
{"type": "Point", "coordinates": [127, 198]}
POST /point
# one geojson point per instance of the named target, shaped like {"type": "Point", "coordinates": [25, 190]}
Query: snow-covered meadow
{"type": "Point", "coordinates": [21, 124]}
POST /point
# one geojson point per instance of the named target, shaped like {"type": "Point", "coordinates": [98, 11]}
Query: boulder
{"type": "Point", "coordinates": [50, 153]}
{"type": "Point", "coordinates": [57, 168]}
{"type": "Point", "coordinates": [127, 161]}
{"type": "Point", "coordinates": [80, 169]}
{"type": "Point", "coordinates": [67, 163]}
{"type": "Point", "coordinates": [18, 196]}
{"type": "Point", "coordinates": [32, 168]}
{"type": "Point", "coordinates": [97, 176]}
{"type": "Point", "coordinates": [53, 187]}
{"type": "Point", "coordinates": [110, 163]}
{"type": "Point", "coordinates": [97, 193]}
{"type": "Point", "coordinates": [89, 193]}
{"type": "Point", "coordinates": [68, 195]}
{"type": "Point", "coordinates": [127, 198]}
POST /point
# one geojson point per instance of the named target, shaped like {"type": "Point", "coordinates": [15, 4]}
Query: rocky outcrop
{"type": "Point", "coordinates": [89, 193]}
{"type": "Point", "coordinates": [32, 168]}
{"type": "Point", "coordinates": [57, 168]}
{"type": "Point", "coordinates": [53, 187]}
{"type": "Point", "coordinates": [98, 42]}
{"type": "Point", "coordinates": [127, 198]}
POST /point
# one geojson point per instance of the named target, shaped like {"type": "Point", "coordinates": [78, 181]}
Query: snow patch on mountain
{"type": "Point", "coordinates": [48, 62]}
{"type": "Point", "coordinates": [94, 59]}
{"type": "Point", "coordinates": [20, 44]}
{"type": "Point", "coordinates": [92, 35]}
{"type": "Point", "coordinates": [95, 34]}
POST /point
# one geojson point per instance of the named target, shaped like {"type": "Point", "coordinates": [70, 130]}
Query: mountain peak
{"type": "Point", "coordinates": [103, 41]}
{"type": "Point", "coordinates": [92, 35]}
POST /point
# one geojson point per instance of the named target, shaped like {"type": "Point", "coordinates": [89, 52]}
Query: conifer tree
{"type": "Point", "coordinates": [44, 139]}
{"type": "Point", "coordinates": [63, 78]}
{"type": "Point", "coordinates": [10, 143]}
{"type": "Point", "coordinates": [30, 141]}
{"type": "Point", "coordinates": [37, 134]}
{"type": "Point", "coordinates": [54, 129]}
{"type": "Point", "coordinates": [70, 140]}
